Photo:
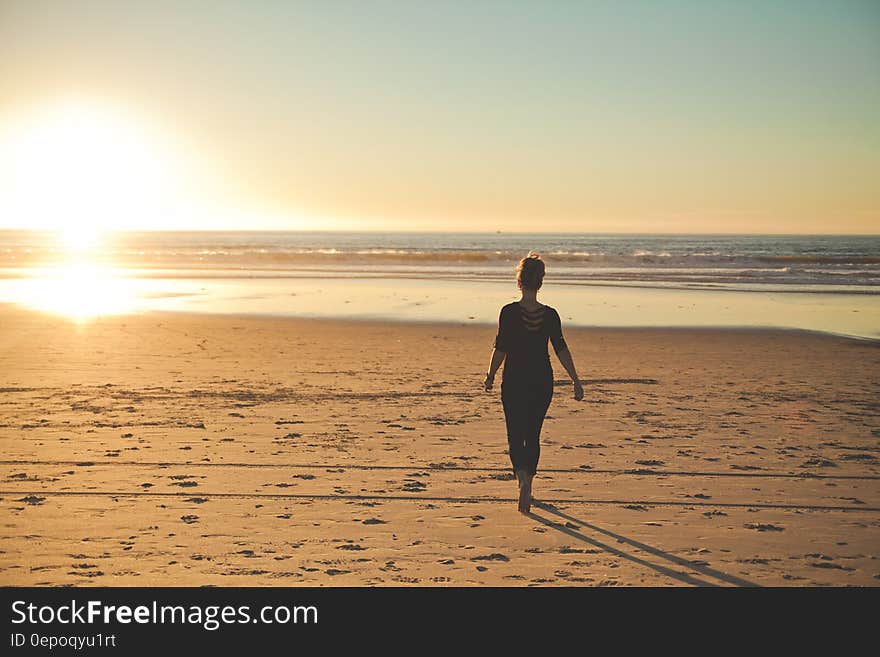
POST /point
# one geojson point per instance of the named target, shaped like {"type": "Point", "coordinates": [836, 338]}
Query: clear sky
{"type": "Point", "coordinates": [623, 116]}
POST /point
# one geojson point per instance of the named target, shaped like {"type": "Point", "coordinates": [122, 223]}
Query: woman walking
{"type": "Point", "coordinates": [524, 328]}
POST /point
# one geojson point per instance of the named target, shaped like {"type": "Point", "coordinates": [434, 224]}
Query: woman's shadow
{"type": "Point", "coordinates": [571, 526]}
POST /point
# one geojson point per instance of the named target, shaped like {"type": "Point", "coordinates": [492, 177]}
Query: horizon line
{"type": "Point", "coordinates": [444, 232]}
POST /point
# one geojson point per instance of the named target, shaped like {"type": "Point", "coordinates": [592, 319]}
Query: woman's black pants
{"type": "Point", "coordinates": [525, 404]}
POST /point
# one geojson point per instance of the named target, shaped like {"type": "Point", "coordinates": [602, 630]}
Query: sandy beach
{"type": "Point", "coordinates": [165, 449]}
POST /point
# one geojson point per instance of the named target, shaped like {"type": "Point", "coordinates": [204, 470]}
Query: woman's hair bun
{"type": "Point", "coordinates": [530, 271]}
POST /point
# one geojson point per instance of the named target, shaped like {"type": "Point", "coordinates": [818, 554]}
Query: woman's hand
{"type": "Point", "coordinates": [487, 384]}
{"type": "Point", "coordinates": [578, 390]}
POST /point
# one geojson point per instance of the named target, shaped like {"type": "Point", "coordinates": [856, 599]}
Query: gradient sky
{"type": "Point", "coordinates": [624, 116]}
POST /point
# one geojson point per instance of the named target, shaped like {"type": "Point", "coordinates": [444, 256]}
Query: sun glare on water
{"type": "Point", "coordinates": [83, 170]}
{"type": "Point", "coordinates": [80, 291]}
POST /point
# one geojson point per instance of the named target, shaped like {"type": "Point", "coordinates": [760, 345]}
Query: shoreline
{"type": "Point", "coordinates": [427, 323]}
{"type": "Point", "coordinates": [232, 273]}
{"type": "Point", "coordinates": [745, 329]}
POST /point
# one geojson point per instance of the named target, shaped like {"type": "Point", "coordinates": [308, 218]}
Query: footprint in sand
{"type": "Point", "coordinates": [818, 463]}
{"type": "Point", "coordinates": [829, 565]}
{"type": "Point", "coordinates": [763, 527]}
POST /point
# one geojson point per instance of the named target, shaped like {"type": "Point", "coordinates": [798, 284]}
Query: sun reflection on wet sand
{"type": "Point", "coordinates": [79, 290]}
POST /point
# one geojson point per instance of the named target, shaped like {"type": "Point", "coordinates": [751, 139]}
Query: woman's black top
{"type": "Point", "coordinates": [523, 335]}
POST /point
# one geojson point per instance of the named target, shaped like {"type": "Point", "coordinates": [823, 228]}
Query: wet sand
{"type": "Point", "coordinates": [174, 450]}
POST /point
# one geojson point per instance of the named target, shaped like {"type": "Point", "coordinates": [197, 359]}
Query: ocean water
{"type": "Point", "coordinates": [825, 283]}
{"type": "Point", "coordinates": [835, 263]}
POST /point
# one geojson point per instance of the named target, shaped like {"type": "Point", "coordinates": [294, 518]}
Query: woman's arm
{"type": "Point", "coordinates": [494, 363]}
{"type": "Point", "coordinates": [499, 351]}
{"type": "Point", "coordinates": [564, 355]}
{"type": "Point", "coordinates": [567, 361]}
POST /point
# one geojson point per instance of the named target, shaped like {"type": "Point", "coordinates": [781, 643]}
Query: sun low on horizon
{"type": "Point", "coordinates": [82, 168]}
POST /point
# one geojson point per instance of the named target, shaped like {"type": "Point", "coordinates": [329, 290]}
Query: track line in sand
{"type": "Point", "coordinates": [428, 498]}
{"type": "Point", "coordinates": [161, 392]}
{"type": "Point", "coordinates": [638, 472]}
